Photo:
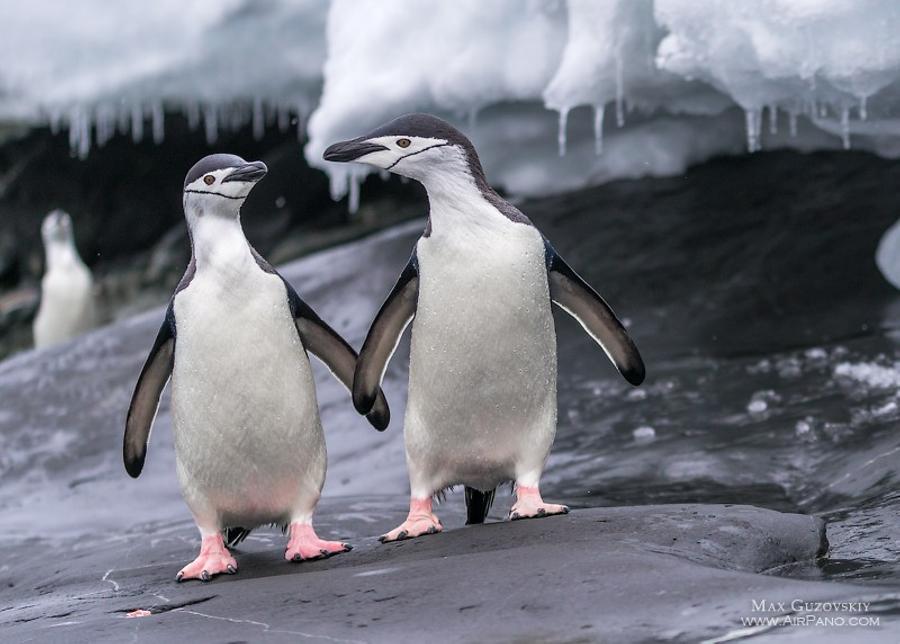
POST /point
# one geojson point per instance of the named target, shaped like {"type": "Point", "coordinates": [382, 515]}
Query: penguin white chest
{"type": "Point", "coordinates": [67, 304]}
{"type": "Point", "coordinates": [482, 399]}
{"type": "Point", "coordinates": [247, 431]}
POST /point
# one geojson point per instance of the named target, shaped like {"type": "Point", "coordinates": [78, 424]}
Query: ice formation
{"type": "Point", "coordinates": [557, 95]}
{"type": "Point", "coordinates": [639, 87]}
{"type": "Point", "coordinates": [97, 67]}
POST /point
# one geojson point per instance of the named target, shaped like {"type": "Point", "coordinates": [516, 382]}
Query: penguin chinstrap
{"type": "Point", "coordinates": [249, 443]}
{"type": "Point", "coordinates": [478, 289]}
{"type": "Point", "coordinates": [67, 307]}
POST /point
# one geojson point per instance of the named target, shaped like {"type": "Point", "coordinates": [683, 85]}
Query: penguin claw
{"type": "Point", "coordinates": [304, 545]}
{"type": "Point", "coordinates": [413, 527]}
{"type": "Point", "coordinates": [213, 559]}
{"type": "Point", "coordinates": [530, 505]}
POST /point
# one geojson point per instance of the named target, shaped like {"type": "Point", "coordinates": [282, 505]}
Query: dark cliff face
{"type": "Point", "coordinates": [125, 196]}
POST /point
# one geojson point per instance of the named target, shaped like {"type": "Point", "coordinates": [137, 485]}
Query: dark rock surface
{"type": "Point", "coordinates": [676, 572]}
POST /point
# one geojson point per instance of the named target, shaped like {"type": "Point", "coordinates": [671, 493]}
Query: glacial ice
{"type": "Point", "coordinates": [97, 67]}
{"type": "Point", "coordinates": [557, 95]}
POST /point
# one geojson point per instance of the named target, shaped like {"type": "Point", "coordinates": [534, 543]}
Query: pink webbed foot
{"type": "Point", "coordinates": [213, 559]}
{"type": "Point", "coordinates": [530, 505]}
{"type": "Point", "coordinates": [304, 545]}
{"type": "Point", "coordinates": [421, 520]}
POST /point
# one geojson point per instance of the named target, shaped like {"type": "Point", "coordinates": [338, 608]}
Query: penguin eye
{"type": "Point", "coordinates": [403, 143]}
{"type": "Point", "coordinates": [209, 179]}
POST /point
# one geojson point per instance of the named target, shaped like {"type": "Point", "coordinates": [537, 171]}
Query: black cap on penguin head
{"type": "Point", "coordinates": [242, 170]}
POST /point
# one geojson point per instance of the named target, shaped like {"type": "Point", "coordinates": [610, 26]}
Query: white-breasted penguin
{"type": "Point", "coordinates": [67, 307]}
{"type": "Point", "coordinates": [482, 376]}
{"type": "Point", "coordinates": [248, 440]}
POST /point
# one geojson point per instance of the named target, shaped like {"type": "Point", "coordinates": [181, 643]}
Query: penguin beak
{"type": "Point", "coordinates": [249, 172]}
{"type": "Point", "coordinates": [352, 150]}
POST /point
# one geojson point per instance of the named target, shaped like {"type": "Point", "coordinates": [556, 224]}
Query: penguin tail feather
{"type": "Point", "coordinates": [233, 536]}
{"type": "Point", "coordinates": [478, 504]}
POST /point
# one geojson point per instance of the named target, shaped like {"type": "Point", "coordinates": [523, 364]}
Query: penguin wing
{"type": "Point", "coordinates": [395, 315]}
{"type": "Point", "coordinates": [338, 356]}
{"type": "Point", "coordinates": [147, 391]}
{"type": "Point", "coordinates": [578, 299]}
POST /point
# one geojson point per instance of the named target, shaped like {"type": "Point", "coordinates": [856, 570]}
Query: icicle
{"type": "Point", "coordinates": [384, 174]}
{"type": "Point", "coordinates": [561, 135]}
{"type": "Point", "coordinates": [79, 133]}
{"type": "Point", "coordinates": [823, 110]}
{"type": "Point", "coordinates": [55, 118]}
{"type": "Point", "coordinates": [137, 123]}
{"type": "Point", "coordinates": [123, 119]}
{"type": "Point", "coordinates": [284, 118]}
{"type": "Point", "coordinates": [84, 135]}
{"type": "Point", "coordinates": [159, 123]}
{"type": "Point", "coordinates": [620, 96]}
{"type": "Point", "coordinates": [845, 127]}
{"type": "Point", "coordinates": [259, 124]}
{"type": "Point", "coordinates": [237, 118]}
{"type": "Point", "coordinates": [863, 109]}
{"type": "Point", "coordinates": [73, 130]}
{"type": "Point", "coordinates": [792, 123]}
{"type": "Point", "coordinates": [773, 119]}
{"type": "Point", "coordinates": [301, 125]}
{"type": "Point", "coordinates": [353, 199]}
{"type": "Point", "coordinates": [337, 186]}
{"type": "Point", "coordinates": [599, 110]}
{"type": "Point", "coordinates": [753, 118]}
{"type": "Point", "coordinates": [193, 115]}
{"type": "Point", "coordinates": [105, 119]}
{"type": "Point", "coordinates": [210, 124]}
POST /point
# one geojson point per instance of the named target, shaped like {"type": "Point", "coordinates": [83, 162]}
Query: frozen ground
{"type": "Point", "coordinates": [772, 382]}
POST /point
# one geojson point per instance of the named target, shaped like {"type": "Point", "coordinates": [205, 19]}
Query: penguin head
{"type": "Point", "coordinates": [219, 183]}
{"type": "Point", "coordinates": [413, 145]}
{"type": "Point", "coordinates": [57, 228]}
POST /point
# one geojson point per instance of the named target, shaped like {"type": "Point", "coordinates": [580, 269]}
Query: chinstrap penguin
{"type": "Point", "coordinates": [67, 307]}
{"type": "Point", "coordinates": [248, 439]}
{"type": "Point", "coordinates": [478, 289]}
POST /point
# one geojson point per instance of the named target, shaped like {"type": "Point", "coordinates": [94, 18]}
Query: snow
{"type": "Point", "coordinates": [557, 95]}
{"type": "Point", "coordinates": [871, 374]}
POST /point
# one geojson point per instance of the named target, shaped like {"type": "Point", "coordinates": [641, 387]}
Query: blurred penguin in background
{"type": "Point", "coordinates": [67, 300]}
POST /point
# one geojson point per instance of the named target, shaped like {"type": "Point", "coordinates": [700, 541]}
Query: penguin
{"type": "Point", "coordinates": [248, 440]}
{"type": "Point", "coordinates": [477, 289]}
{"type": "Point", "coordinates": [67, 307]}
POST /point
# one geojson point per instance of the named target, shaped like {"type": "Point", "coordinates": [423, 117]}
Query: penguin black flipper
{"type": "Point", "coordinates": [578, 299]}
{"type": "Point", "coordinates": [478, 504]}
{"type": "Point", "coordinates": [147, 391]}
{"type": "Point", "coordinates": [329, 347]}
{"type": "Point", "coordinates": [394, 316]}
